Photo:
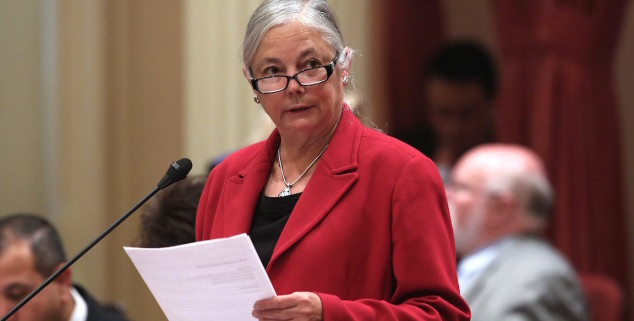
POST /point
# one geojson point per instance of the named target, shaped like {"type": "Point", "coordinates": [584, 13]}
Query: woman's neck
{"type": "Point", "coordinates": [298, 151]}
{"type": "Point", "coordinates": [297, 155]}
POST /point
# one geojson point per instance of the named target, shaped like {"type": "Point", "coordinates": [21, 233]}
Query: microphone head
{"type": "Point", "coordinates": [177, 171]}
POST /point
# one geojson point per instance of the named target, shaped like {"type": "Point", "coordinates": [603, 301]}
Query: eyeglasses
{"type": "Point", "coordinates": [307, 77]}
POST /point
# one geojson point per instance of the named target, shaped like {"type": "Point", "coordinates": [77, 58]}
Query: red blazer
{"type": "Point", "coordinates": [370, 234]}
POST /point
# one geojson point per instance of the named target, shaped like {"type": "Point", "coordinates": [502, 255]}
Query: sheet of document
{"type": "Point", "coordinates": [218, 279]}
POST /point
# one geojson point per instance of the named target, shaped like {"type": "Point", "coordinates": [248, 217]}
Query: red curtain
{"type": "Point", "coordinates": [557, 96]}
{"type": "Point", "coordinates": [415, 30]}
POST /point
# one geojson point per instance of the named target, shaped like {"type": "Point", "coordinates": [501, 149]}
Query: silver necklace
{"type": "Point", "coordinates": [287, 190]}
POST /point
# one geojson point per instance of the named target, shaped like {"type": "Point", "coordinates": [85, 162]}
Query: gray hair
{"type": "Point", "coordinates": [534, 193]}
{"type": "Point", "coordinates": [312, 13]}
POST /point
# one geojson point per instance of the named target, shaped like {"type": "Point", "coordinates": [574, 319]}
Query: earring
{"type": "Point", "coordinates": [345, 80]}
{"type": "Point", "coordinates": [255, 98]}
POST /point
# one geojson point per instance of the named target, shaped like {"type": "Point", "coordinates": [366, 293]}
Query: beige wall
{"type": "Point", "coordinates": [21, 166]}
{"type": "Point", "coordinates": [145, 126]}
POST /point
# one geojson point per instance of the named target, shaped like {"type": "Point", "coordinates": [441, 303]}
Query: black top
{"type": "Point", "coordinates": [269, 219]}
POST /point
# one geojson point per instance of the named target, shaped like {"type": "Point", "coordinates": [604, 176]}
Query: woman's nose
{"type": "Point", "coordinates": [294, 86]}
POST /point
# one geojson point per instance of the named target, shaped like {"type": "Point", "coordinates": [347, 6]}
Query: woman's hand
{"type": "Point", "coordinates": [298, 306]}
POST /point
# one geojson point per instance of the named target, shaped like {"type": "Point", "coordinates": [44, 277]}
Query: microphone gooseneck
{"type": "Point", "coordinates": [177, 171]}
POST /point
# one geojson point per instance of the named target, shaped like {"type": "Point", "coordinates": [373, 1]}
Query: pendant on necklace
{"type": "Point", "coordinates": [285, 192]}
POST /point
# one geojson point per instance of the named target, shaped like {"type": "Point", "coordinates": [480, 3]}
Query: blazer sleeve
{"type": "Point", "coordinates": [423, 256]}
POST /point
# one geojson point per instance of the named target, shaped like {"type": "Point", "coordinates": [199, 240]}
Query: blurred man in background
{"type": "Point", "coordinates": [30, 251]}
{"type": "Point", "coordinates": [500, 200]}
{"type": "Point", "coordinates": [459, 90]}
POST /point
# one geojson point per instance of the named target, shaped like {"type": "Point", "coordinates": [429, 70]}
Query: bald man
{"type": "Point", "coordinates": [499, 200]}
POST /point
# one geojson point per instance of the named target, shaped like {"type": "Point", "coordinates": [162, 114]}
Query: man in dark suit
{"type": "Point", "coordinates": [499, 200]}
{"type": "Point", "coordinates": [30, 251]}
{"type": "Point", "coordinates": [458, 94]}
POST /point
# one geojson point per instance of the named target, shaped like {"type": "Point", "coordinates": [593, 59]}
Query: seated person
{"type": "Point", "coordinates": [499, 201]}
{"type": "Point", "coordinates": [459, 89]}
{"type": "Point", "coordinates": [169, 218]}
{"type": "Point", "coordinates": [30, 251]}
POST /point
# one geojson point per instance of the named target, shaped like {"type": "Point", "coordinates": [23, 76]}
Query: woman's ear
{"type": "Point", "coordinates": [347, 61]}
{"type": "Point", "coordinates": [247, 76]}
{"type": "Point", "coordinates": [246, 73]}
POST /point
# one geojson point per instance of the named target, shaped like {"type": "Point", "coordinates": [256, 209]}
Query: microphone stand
{"type": "Point", "coordinates": [80, 254]}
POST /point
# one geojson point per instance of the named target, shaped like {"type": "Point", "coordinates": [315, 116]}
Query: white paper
{"type": "Point", "coordinates": [218, 279]}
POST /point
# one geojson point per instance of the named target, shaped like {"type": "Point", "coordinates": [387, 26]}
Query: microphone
{"type": "Point", "coordinates": [177, 171]}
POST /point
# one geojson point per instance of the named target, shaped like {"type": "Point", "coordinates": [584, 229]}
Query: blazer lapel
{"type": "Point", "coordinates": [246, 187]}
{"type": "Point", "coordinates": [334, 175]}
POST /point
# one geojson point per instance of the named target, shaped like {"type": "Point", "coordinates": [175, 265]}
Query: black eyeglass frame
{"type": "Point", "coordinates": [330, 68]}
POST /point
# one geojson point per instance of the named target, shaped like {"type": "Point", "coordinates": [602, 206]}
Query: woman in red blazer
{"type": "Point", "coordinates": [350, 224]}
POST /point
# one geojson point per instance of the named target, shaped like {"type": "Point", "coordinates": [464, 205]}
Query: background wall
{"type": "Point", "coordinates": [20, 107]}
{"type": "Point", "coordinates": [98, 97]}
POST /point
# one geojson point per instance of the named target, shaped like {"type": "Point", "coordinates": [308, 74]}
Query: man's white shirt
{"type": "Point", "coordinates": [80, 311]}
{"type": "Point", "coordinates": [472, 265]}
